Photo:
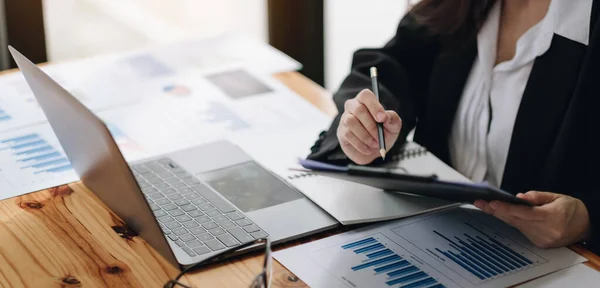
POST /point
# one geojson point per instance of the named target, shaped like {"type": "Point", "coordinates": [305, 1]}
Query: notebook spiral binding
{"type": "Point", "coordinates": [410, 153]}
{"type": "Point", "coordinates": [301, 175]}
{"type": "Point", "coordinates": [404, 154]}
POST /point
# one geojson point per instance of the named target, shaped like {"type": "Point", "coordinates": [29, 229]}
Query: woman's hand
{"type": "Point", "coordinates": [357, 131]}
{"type": "Point", "coordinates": [556, 220]}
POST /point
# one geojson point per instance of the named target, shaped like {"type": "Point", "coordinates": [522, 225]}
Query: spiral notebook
{"type": "Point", "coordinates": [352, 203]}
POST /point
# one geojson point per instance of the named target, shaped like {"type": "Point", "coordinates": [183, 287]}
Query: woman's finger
{"type": "Point", "coordinates": [349, 138]}
{"type": "Point", "coordinates": [393, 123]}
{"type": "Point", "coordinates": [354, 125]}
{"type": "Point", "coordinates": [361, 113]}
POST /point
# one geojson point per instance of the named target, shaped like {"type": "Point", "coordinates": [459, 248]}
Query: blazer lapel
{"type": "Point", "coordinates": [447, 83]}
{"type": "Point", "coordinates": [545, 101]}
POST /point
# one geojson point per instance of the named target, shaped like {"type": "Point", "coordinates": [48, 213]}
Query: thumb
{"type": "Point", "coordinates": [392, 127]}
{"type": "Point", "coordinates": [538, 198]}
{"type": "Point", "coordinates": [393, 124]}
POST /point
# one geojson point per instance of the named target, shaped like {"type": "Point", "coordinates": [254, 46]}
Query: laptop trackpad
{"type": "Point", "coordinates": [249, 186]}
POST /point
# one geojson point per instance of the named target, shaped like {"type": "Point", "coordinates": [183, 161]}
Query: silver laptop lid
{"type": "Point", "coordinates": [94, 155]}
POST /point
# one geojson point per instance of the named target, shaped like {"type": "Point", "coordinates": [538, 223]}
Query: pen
{"type": "Point", "coordinates": [380, 135]}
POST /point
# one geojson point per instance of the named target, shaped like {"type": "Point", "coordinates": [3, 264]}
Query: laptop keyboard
{"type": "Point", "coordinates": [191, 214]}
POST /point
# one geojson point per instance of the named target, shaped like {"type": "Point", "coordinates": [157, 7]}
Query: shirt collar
{"type": "Point", "coordinates": [572, 19]}
{"type": "Point", "coordinates": [567, 18]}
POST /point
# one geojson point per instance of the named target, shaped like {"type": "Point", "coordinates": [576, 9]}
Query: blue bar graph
{"type": "Point", "coordinates": [34, 154]}
{"type": "Point", "coordinates": [377, 262]}
{"type": "Point", "coordinates": [407, 278]}
{"type": "Point", "coordinates": [393, 269]}
{"type": "Point", "coordinates": [482, 256]}
{"type": "Point", "coordinates": [421, 283]}
{"type": "Point", "coordinates": [392, 266]}
{"type": "Point", "coordinates": [48, 163]}
{"type": "Point", "coordinates": [380, 253]}
{"type": "Point", "coordinates": [56, 170]}
{"type": "Point", "coordinates": [403, 271]}
{"type": "Point", "coordinates": [359, 243]}
{"type": "Point", "coordinates": [374, 247]}
{"type": "Point", "coordinates": [4, 116]}
{"type": "Point", "coordinates": [42, 157]}
{"type": "Point", "coordinates": [37, 150]}
{"type": "Point", "coordinates": [21, 138]}
{"type": "Point", "coordinates": [28, 144]}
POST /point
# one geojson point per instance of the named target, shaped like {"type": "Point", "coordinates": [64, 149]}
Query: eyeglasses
{"type": "Point", "coordinates": [262, 279]}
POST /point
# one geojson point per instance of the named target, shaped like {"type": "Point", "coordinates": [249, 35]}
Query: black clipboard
{"type": "Point", "coordinates": [429, 186]}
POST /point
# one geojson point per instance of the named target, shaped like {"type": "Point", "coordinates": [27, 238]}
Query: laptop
{"type": "Point", "coordinates": [190, 204]}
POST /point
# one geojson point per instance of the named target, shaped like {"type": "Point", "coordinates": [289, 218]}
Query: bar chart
{"type": "Point", "coordinates": [375, 261]}
{"type": "Point", "coordinates": [34, 154]}
{"type": "Point", "coordinates": [4, 116]}
{"type": "Point", "coordinates": [32, 160]}
{"type": "Point", "coordinates": [472, 250]}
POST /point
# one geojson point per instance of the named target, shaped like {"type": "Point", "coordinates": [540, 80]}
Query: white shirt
{"type": "Point", "coordinates": [484, 121]}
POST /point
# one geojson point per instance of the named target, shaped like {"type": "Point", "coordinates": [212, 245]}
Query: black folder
{"type": "Point", "coordinates": [424, 185]}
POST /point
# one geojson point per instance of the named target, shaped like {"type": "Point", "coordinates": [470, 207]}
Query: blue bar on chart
{"type": "Point", "coordinates": [391, 267]}
{"type": "Point", "coordinates": [4, 115]}
{"type": "Point", "coordinates": [35, 154]}
{"type": "Point", "coordinates": [482, 256]}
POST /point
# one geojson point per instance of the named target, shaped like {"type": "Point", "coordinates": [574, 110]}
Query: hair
{"type": "Point", "coordinates": [453, 20]}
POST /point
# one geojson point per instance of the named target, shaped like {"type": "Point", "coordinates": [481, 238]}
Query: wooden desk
{"type": "Point", "coordinates": [64, 237]}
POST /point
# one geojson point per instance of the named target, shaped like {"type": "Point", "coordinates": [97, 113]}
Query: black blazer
{"type": "Point", "coordinates": [555, 145]}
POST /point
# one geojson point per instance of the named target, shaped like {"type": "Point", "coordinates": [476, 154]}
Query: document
{"type": "Point", "coordinates": [18, 107]}
{"type": "Point", "coordinates": [579, 275]}
{"type": "Point", "coordinates": [460, 247]}
{"type": "Point", "coordinates": [190, 109]}
{"type": "Point", "coordinates": [32, 159]}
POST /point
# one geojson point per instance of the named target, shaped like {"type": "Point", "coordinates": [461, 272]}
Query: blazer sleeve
{"type": "Point", "coordinates": [404, 66]}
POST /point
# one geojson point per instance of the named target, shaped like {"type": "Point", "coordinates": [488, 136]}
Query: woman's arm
{"type": "Point", "coordinates": [404, 65]}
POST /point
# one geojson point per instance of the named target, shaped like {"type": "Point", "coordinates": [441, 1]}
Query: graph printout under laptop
{"type": "Point", "coordinates": [353, 203]}
{"type": "Point", "coordinates": [460, 247]}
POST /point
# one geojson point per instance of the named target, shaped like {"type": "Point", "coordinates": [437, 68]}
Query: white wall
{"type": "Point", "coordinates": [169, 20]}
{"type": "Point", "coordinates": [82, 28]}
{"type": "Point", "coordinates": [354, 24]}
{"type": "Point", "coordinates": [75, 29]}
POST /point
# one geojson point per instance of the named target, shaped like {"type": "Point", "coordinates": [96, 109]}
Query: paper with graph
{"type": "Point", "coordinates": [31, 159]}
{"type": "Point", "coordinates": [454, 248]}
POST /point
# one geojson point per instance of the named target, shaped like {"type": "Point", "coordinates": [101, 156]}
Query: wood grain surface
{"type": "Point", "coordinates": [66, 237]}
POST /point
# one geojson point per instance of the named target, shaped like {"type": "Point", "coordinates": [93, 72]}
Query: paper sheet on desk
{"type": "Point", "coordinates": [579, 275]}
{"type": "Point", "coordinates": [452, 248]}
{"type": "Point", "coordinates": [225, 50]}
{"type": "Point", "coordinates": [31, 159]}
{"type": "Point", "coordinates": [198, 111]}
